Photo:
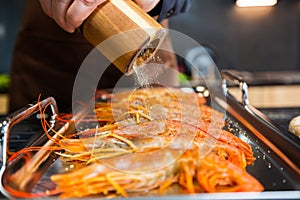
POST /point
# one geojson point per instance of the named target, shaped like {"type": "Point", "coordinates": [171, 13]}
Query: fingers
{"type": "Point", "coordinates": [47, 6]}
{"type": "Point", "coordinates": [79, 10]}
{"type": "Point", "coordinates": [59, 10]}
{"type": "Point", "coordinates": [69, 14]}
{"type": "Point", "coordinates": [146, 5]}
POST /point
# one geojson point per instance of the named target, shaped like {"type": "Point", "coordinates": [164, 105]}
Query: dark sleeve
{"type": "Point", "coordinates": [168, 8]}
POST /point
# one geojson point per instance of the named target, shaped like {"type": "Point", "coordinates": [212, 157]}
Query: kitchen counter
{"type": "Point", "coordinates": [271, 96]}
{"type": "Point", "coordinates": [3, 103]}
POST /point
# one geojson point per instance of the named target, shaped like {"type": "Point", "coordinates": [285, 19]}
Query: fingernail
{"type": "Point", "coordinates": [71, 28]}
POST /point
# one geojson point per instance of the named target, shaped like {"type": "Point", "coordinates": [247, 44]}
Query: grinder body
{"type": "Point", "coordinates": [128, 36]}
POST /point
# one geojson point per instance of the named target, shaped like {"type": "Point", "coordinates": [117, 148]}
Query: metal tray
{"type": "Point", "coordinates": [276, 165]}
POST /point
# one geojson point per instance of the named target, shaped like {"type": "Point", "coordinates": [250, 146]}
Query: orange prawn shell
{"type": "Point", "coordinates": [219, 175]}
{"type": "Point", "coordinates": [221, 170]}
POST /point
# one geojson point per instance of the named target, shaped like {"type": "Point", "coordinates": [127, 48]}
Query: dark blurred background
{"type": "Point", "coordinates": [11, 13]}
{"type": "Point", "coordinates": [251, 39]}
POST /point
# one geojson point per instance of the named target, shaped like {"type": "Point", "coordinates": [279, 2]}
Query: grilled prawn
{"type": "Point", "coordinates": [152, 139]}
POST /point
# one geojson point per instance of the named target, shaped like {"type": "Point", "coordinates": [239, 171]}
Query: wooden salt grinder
{"type": "Point", "coordinates": [123, 33]}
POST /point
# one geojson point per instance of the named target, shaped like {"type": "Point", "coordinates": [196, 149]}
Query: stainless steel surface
{"type": "Point", "coordinates": [13, 119]}
{"type": "Point", "coordinates": [272, 134]}
{"type": "Point", "coordinates": [269, 77]}
{"type": "Point", "coordinates": [274, 168]}
{"type": "Point", "coordinates": [238, 80]}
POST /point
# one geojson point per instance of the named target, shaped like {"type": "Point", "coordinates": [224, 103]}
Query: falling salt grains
{"type": "Point", "coordinates": [281, 168]}
{"type": "Point", "coordinates": [147, 74]}
{"type": "Point", "coordinates": [284, 181]}
{"type": "Point", "coordinates": [142, 78]}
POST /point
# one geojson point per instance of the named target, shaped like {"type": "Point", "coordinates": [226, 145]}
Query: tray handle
{"type": "Point", "coordinates": [233, 76]}
{"type": "Point", "coordinates": [18, 116]}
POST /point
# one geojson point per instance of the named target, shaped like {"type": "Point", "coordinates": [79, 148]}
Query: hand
{"type": "Point", "coordinates": [146, 5]}
{"type": "Point", "coordinates": [69, 14]}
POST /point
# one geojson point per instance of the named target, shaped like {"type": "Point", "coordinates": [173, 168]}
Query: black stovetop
{"type": "Point", "coordinates": [281, 116]}
{"type": "Point", "coordinates": [21, 134]}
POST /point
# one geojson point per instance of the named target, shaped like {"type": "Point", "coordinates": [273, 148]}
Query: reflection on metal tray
{"type": "Point", "coordinates": [274, 166]}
